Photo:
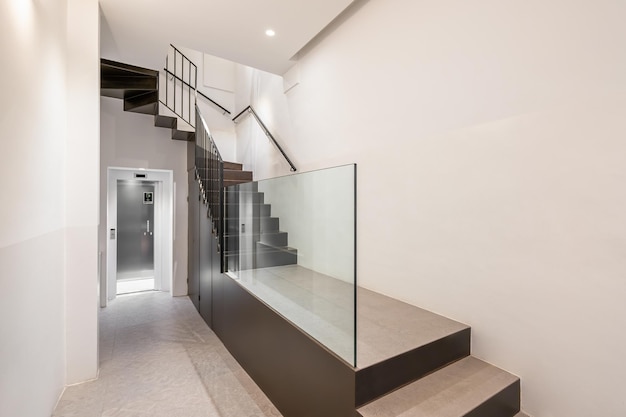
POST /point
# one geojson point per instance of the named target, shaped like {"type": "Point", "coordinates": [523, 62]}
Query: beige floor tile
{"type": "Point", "coordinates": [159, 359]}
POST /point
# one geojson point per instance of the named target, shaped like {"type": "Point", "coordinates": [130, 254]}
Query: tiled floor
{"type": "Point", "coordinates": [159, 359]}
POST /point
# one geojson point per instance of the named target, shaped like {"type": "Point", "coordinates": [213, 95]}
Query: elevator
{"type": "Point", "coordinates": [139, 232]}
{"type": "Point", "coordinates": [135, 236]}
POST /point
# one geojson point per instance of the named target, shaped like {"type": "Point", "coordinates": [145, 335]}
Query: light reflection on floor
{"type": "Point", "coordinates": [126, 286]}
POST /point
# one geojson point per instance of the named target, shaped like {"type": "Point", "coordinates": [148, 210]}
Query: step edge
{"type": "Point", "coordinates": [457, 345]}
{"type": "Point", "coordinates": [485, 407]}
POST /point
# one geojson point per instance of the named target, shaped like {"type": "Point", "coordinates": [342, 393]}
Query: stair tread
{"type": "Point", "coordinates": [245, 192]}
{"type": "Point", "coordinates": [115, 67]}
{"type": "Point", "coordinates": [130, 85]}
{"type": "Point", "coordinates": [181, 125]}
{"type": "Point", "coordinates": [452, 391]}
{"type": "Point", "coordinates": [233, 174]}
{"type": "Point", "coordinates": [118, 93]}
{"type": "Point", "coordinates": [229, 182]}
{"type": "Point", "coordinates": [164, 121]}
{"type": "Point", "coordinates": [257, 234]}
{"type": "Point", "coordinates": [183, 135]}
{"type": "Point", "coordinates": [233, 165]}
{"type": "Point", "coordinates": [389, 327]}
{"type": "Point", "coordinates": [277, 248]}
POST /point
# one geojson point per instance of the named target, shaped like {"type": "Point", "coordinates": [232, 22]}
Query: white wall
{"type": "Point", "coordinates": [38, 237]}
{"type": "Point", "coordinates": [489, 142]}
{"type": "Point", "coordinates": [264, 91]}
{"type": "Point", "coordinates": [131, 140]}
{"type": "Point", "coordinates": [82, 154]}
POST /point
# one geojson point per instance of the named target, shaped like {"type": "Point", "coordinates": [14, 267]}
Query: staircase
{"type": "Point", "coordinates": [139, 89]}
{"type": "Point", "coordinates": [414, 363]}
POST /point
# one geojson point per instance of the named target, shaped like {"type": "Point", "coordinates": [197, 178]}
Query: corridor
{"type": "Point", "coordinates": [159, 359]}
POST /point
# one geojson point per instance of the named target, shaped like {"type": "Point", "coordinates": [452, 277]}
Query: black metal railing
{"type": "Point", "coordinates": [181, 85]}
{"type": "Point", "coordinates": [210, 176]}
{"type": "Point", "coordinates": [250, 110]}
{"type": "Point", "coordinates": [181, 89]}
{"type": "Point", "coordinates": [200, 93]}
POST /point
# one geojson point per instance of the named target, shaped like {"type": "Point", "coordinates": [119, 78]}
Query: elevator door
{"type": "Point", "coordinates": [135, 230]}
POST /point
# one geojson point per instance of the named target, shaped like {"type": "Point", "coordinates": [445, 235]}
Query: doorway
{"type": "Point", "coordinates": [140, 226]}
{"type": "Point", "coordinates": [135, 236]}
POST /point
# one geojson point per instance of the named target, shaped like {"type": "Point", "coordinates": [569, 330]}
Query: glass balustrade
{"type": "Point", "coordinates": [291, 242]}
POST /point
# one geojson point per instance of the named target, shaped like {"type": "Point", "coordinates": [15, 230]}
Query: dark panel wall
{"type": "Point", "coordinates": [193, 274]}
{"type": "Point", "coordinates": [206, 260]}
{"type": "Point", "coordinates": [299, 376]}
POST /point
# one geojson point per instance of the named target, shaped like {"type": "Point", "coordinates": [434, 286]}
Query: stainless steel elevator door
{"type": "Point", "coordinates": [135, 229]}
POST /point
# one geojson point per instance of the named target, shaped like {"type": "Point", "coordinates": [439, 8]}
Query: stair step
{"type": "Point", "coordinates": [164, 121]}
{"type": "Point", "coordinates": [231, 174]}
{"type": "Point", "coordinates": [149, 109]}
{"type": "Point", "coordinates": [145, 103]}
{"type": "Point", "coordinates": [228, 183]}
{"type": "Point", "coordinates": [267, 255]}
{"type": "Point", "coordinates": [129, 83]}
{"type": "Point", "coordinates": [258, 225]}
{"type": "Point", "coordinates": [400, 343]}
{"type": "Point", "coordinates": [139, 89]}
{"type": "Point", "coordinates": [183, 128]}
{"type": "Point", "coordinates": [233, 165]}
{"type": "Point", "coordinates": [279, 239]}
{"type": "Point", "coordinates": [275, 238]}
{"type": "Point", "coordinates": [265, 210]}
{"type": "Point", "coordinates": [234, 204]}
{"type": "Point", "coordinates": [466, 388]}
{"type": "Point", "coordinates": [236, 197]}
{"type": "Point", "coordinates": [183, 135]}
{"type": "Point", "coordinates": [269, 224]}
{"type": "Point", "coordinates": [115, 68]}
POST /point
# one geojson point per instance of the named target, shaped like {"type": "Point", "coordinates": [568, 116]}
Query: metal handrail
{"type": "Point", "coordinates": [224, 110]}
{"type": "Point", "coordinates": [250, 110]}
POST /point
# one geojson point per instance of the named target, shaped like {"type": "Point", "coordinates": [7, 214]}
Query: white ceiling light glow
{"type": "Point", "coordinates": [133, 37]}
{"type": "Point", "coordinates": [270, 32]}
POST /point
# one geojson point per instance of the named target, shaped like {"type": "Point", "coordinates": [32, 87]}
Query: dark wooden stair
{"type": "Point", "coordinates": [139, 88]}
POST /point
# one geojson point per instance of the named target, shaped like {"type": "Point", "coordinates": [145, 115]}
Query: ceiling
{"type": "Point", "coordinates": [139, 31]}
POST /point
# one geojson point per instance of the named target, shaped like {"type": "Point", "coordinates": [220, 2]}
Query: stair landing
{"type": "Point", "coordinates": [324, 308]}
{"type": "Point", "coordinates": [387, 327]}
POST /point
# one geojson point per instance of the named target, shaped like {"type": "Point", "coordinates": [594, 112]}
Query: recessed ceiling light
{"type": "Point", "coordinates": [270, 32]}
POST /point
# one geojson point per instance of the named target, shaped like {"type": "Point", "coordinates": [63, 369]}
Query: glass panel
{"type": "Point", "coordinates": [291, 242]}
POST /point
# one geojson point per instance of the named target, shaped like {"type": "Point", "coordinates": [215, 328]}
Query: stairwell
{"type": "Point", "coordinates": [412, 363]}
{"type": "Point", "coordinates": [139, 89]}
